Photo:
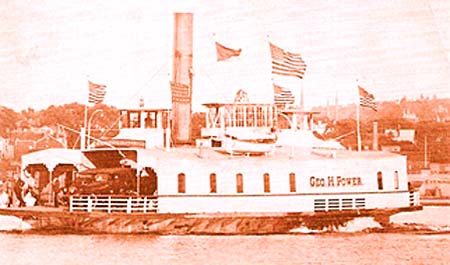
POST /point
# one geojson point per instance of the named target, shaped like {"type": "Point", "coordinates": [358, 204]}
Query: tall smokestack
{"type": "Point", "coordinates": [181, 84]}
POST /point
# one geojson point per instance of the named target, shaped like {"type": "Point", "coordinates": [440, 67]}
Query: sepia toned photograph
{"type": "Point", "coordinates": [224, 132]}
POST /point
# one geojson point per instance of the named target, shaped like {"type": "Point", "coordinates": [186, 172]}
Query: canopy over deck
{"type": "Point", "coordinates": [56, 156]}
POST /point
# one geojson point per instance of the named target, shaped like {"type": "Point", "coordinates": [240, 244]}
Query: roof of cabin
{"type": "Point", "coordinates": [281, 153]}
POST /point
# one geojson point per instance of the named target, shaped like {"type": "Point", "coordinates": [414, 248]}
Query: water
{"type": "Point", "coordinates": [328, 248]}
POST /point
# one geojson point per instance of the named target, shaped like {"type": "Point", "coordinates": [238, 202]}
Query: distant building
{"type": "Point", "coordinates": [439, 168]}
{"type": "Point", "coordinates": [47, 142]}
{"type": "Point", "coordinates": [22, 146]}
{"type": "Point", "coordinates": [393, 148]}
{"type": "Point", "coordinates": [6, 150]}
{"type": "Point", "coordinates": [405, 135]}
{"type": "Point", "coordinates": [408, 115]}
{"type": "Point", "coordinates": [400, 135]}
{"type": "Point", "coordinates": [30, 140]}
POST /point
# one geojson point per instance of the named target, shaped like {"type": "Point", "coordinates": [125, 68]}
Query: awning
{"type": "Point", "coordinates": [56, 156]}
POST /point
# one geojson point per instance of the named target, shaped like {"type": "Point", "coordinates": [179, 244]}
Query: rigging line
{"type": "Point", "coordinates": [78, 138]}
{"type": "Point", "coordinates": [98, 140]}
{"type": "Point", "coordinates": [110, 127]}
{"type": "Point", "coordinates": [133, 96]}
{"type": "Point", "coordinates": [151, 78]}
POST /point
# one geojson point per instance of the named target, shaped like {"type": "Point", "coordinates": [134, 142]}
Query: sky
{"type": "Point", "coordinates": [50, 48]}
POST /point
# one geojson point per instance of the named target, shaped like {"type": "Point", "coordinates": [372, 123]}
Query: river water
{"type": "Point", "coordinates": [322, 248]}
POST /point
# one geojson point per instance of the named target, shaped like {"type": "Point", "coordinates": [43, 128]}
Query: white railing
{"type": "Point", "coordinates": [339, 204]}
{"type": "Point", "coordinates": [414, 198]}
{"type": "Point", "coordinates": [112, 204]}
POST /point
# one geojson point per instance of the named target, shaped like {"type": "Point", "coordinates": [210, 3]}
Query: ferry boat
{"type": "Point", "coordinates": [245, 175]}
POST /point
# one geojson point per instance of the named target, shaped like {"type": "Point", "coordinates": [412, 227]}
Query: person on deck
{"type": "Point", "coordinates": [4, 197]}
{"type": "Point", "coordinates": [30, 184]}
{"type": "Point", "coordinates": [17, 188]}
{"type": "Point", "coordinates": [56, 189]}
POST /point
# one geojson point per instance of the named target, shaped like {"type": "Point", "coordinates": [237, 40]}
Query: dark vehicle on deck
{"type": "Point", "coordinates": [105, 181]}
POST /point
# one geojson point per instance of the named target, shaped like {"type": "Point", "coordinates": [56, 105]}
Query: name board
{"type": "Point", "coordinates": [335, 181]}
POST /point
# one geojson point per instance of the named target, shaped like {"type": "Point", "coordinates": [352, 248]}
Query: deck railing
{"type": "Point", "coordinates": [414, 198]}
{"type": "Point", "coordinates": [110, 204]}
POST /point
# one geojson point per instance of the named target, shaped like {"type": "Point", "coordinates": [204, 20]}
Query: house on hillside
{"type": "Point", "coordinates": [29, 140]}
{"type": "Point", "coordinates": [408, 115]}
{"type": "Point", "coordinates": [400, 135]}
{"type": "Point", "coordinates": [6, 150]}
{"type": "Point", "coordinates": [49, 141]}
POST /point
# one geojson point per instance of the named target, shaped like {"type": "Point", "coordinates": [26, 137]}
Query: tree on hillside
{"type": "Point", "coordinates": [8, 121]}
{"type": "Point", "coordinates": [71, 116]}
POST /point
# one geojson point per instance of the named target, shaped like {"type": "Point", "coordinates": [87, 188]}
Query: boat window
{"type": "Point", "coordinates": [212, 183]}
{"type": "Point", "coordinates": [380, 180]}
{"type": "Point", "coordinates": [396, 180]}
{"type": "Point", "coordinates": [239, 183]}
{"type": "Point", "coordinates": [266, 182]}
{"type": "Point", "coordinates": [292, 186]}
{"type": "Point", "coordinates": [135, 119]}
{"type": "Point", "coordinates": [150, 119]}
{"type": "Point", "coordinates": [240, 116]}
{"type": "Point", "coordinates": [181, 183]}
{"type": "Point", "coordinates": [124, 119]}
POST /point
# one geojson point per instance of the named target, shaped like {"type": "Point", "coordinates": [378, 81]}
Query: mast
{"type": "Point", "coordinates": [181, 85]}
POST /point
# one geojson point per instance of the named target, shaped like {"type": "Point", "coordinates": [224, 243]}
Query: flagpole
{"type": "Point", "coordinates": [358, 131]}
{"type": "Point", "coordinates": [83, 130]}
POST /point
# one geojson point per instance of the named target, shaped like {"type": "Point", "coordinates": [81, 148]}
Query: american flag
{"type": "Point", "coordinates": [181, 93]}
{"type": "Point", "coordinates": [366, 99]}
{"type": "Point", "coordinates": [282, 96]}
{"type": "Point", "coordinates": [97, 93]}
{"type": "Point", "coordinates": [225, 53]}
{"type": "Point", "coordinates": [287, 63]}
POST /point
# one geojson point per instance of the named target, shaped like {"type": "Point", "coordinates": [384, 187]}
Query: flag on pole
{"type": "Point", "coordinates": [181, 93]}
{"type": "Point", "coordinates": [366, 99]}
{"type": "Point", "coordinates": [287, 63]}
{"type": "Point", "coordinates": [97, 93]}
{"type": "Point", "coordinates": [282, 96]}
{"type": "Point", "coordinates": [225, 53]}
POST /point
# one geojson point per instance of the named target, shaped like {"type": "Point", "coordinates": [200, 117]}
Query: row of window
{"type": "Point", "coordinates": [380, 180]}
{"type": "Point", "coordinates": [239, 183]}
{"type": "Point", "coordinates": [266, 177]}
{"type": "Point", "coordinates": [243, 116]}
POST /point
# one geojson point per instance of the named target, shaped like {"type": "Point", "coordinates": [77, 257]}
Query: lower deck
{"type": "Point", "coordinates": [50, 220]}
{"type": "Point", "coordinates": [263, 203]}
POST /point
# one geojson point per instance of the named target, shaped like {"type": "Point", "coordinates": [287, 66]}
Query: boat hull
{"type": "Point", "coordinates": [51, 220]}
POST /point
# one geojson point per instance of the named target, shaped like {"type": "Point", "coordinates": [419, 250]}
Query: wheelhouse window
{"type": "Point", "coordinates": [380, 180]}
{"type": "Point", "coordinates": [150, 119]}
{"type": "Point", "coordinates": [181, 183]}
{"type": "Point", "coordinates": [213, 183]}
{"type": "Point", "coordinates": [396, 180]}
{"type": "Point", "coordinates": [292, 185]}
{"type": "Point", "coordinates": [266, 182]}
{"type": "Point", "coordinates": [239, 183]}
{"type": "Point", "coordinates": [135, 119]}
